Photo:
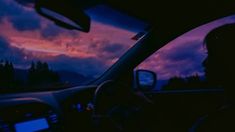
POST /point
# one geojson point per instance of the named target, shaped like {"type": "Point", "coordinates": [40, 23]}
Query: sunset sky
{"type": "Point", "coordinates": [27, 37]}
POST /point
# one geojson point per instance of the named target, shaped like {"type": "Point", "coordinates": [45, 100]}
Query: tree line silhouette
{"type": "Point", "coordinates": [39, 76]}
{"type": "Point", "coordinates": [6, 74]}
{"type": "Point", "coordinates": [187, 83]}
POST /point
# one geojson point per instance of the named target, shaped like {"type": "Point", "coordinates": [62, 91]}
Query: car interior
{"type": "Point", "coordinates": [144, 87]}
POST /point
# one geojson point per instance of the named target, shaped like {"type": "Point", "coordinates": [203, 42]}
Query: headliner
{"type": "Point", "coordinates": [173, 18]}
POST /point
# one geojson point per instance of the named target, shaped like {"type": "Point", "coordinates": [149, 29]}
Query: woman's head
{"type": "Point", "coordinates": [220, 62]}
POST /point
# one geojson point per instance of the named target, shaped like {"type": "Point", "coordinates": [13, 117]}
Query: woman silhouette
{"type": "Point", "coordinates": [220, 62]}
{"type": "Point", "coordinates": [220, 71]}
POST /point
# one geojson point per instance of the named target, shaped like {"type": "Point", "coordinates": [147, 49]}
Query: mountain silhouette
{"type": "Point", "coordinates": [73, 78]}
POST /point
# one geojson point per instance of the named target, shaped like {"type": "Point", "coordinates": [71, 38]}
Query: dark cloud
{"type": "Point", "coordinates": [182, 59]}
{"type": "Point", "coordinates": [184, 51]}
{"type": "Point", "coordinates": [112, 51]}
{"type": "Point", "coordinates": [113, 48]}
{"type": "Point", "coordinates": [108, 50]}
{"type": "Point", "coordinates": [26, 21]}
{"type": "Point", "coordinates": [85, 66]}
{"type": "Point", "coordinates": [182, 68]}
{"type": "Point", "coordinates": [7, 9]}
{"type": "Point", "coordinates": [20, 18]}
{"type": "Point", "coordinates": [113, 17]}
{"type": "Point", "coordinates": [4, 45]}
{"type": "Point", "coordinates": [7, 52]}
{"type": "Point", "coordinates": [50, 31]}
{"type": "Point", "coordinates": [26, 2]}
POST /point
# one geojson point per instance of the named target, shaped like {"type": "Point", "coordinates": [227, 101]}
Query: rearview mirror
{"type": "Point", "coordinates": [64, 14]}
{"type": "Point", "coordinates": [145, 80]}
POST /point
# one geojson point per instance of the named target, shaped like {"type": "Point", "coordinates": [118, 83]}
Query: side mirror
{"type": "Point", "coordinates": [145, 80]}
{"type": "Point", "coordinates": [64, 14]}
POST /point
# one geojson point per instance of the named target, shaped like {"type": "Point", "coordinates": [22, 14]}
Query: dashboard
{"type": "Point", "coordinates": [62, 110]}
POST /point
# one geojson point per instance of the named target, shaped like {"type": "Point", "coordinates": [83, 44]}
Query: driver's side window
{"type": "Point", "coordinates": [178, 64]}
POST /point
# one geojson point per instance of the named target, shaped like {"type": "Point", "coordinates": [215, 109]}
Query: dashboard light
{"type": "Point", "coordinates": [90, 106]}
{"type": "Point", "coordinates": [31, 126]}
{"type": "Point", "coordinates": [53, 118]}
{"type": "Point", "coordinates": [79, 107]}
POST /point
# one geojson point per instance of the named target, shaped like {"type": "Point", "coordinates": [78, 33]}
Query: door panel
{"type": "Point", "coordinates": [179, 110]}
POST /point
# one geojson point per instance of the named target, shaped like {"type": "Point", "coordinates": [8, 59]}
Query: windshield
{"type": "Point", "coordinates": [36, 54]}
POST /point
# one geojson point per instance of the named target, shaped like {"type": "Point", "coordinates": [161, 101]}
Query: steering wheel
{"type": "Point", "coordinates": [117, 109]}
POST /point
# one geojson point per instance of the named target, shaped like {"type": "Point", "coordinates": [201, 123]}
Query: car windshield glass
{"type": "Point", "coordinates": [36, 54]}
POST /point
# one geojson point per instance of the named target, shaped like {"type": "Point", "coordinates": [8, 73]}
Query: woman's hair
{"type": "Point", "coordinates": [221, 39]}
